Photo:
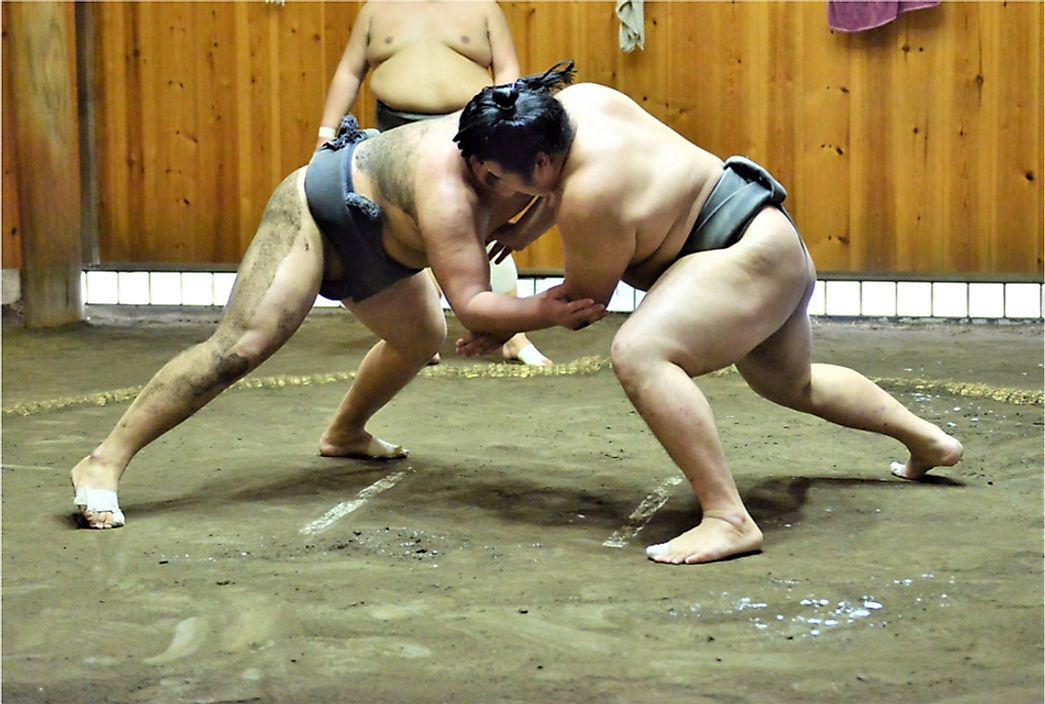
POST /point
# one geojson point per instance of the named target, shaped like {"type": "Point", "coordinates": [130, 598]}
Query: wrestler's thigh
{"type": "Point", "coordinates": [407, 315]}
{"type": "Point", "coordinates": [280, 275]}
{"type": "Point", "coordinates": [710, 309]}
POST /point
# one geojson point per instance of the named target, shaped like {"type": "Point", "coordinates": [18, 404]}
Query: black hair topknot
{"type": "Point", "coordinates": [512, 123]}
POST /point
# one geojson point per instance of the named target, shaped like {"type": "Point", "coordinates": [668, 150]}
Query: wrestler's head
{"type": "Point", "coordinates": [508, 133]}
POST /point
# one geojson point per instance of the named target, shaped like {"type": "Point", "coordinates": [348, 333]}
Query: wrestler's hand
{"type": "Point", "coordinates": [575, 314]}
{"type": "Point", "coordinates": [474, 344]}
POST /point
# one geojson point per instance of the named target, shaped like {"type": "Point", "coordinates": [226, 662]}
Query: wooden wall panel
{"type": "Point", "coordinates": [912, 148]}
{"type": "Point", "coordinates": [916, 106]}
{"type": "Point", "coordinates": [873, 120]}
{"type": "Point", "coordinates": [821, 172]}
{"type": "Point", "coordinates": [255, 141]}
{"type": "Point", "coordinates": [215, 67]}
{"type": "Point", "coordinates": [205, 108]}
{"type": "Point", "coordinates": [10, 221]}
{"type": "Point", "coordinates": [1014, 65]}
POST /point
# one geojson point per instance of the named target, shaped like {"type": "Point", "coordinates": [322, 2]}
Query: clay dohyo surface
{"type": "Point", "coordinates": [479, 573]}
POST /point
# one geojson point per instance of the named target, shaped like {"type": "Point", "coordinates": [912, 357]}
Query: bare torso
{"type": "Point", "coordinates": [428, 57]}
{"type": "Point", "coordinates": [661, 180]}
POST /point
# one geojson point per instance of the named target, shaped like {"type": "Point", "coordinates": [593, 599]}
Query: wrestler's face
{"type": "Point", "coordinates": [507, 183]}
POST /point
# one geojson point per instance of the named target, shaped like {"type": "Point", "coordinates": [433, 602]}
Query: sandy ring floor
{"type": "Point", "coordinates": [583, 366]}
{"type": "Point", "coordinates": [482, 574]}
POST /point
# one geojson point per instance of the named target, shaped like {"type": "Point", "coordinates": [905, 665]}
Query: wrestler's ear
{"type": "Point", "coordinates": [541, 162]}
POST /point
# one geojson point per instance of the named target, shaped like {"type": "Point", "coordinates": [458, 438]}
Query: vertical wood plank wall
{"type": "Point", "coordinates": [913, 148]}
{"type": "Point", "coordinates": [10, 220]}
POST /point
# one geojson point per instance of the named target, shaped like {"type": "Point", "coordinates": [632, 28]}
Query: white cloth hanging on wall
{"type": "Point", "coordinates": [632, 29]}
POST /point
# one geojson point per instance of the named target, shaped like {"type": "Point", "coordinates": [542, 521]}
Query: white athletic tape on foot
{"type": "Point", "coordinates": [898, 469]}
{"type": "Point", "coordinates": [531, 356]}
{"type": "Point", "coordinates": [643, 513]}
{"type": "Point", "coordinates": [656, 550]}
{"type": "Point", "coordinates": [378, 449]}
{"type": "Point", "coordinates": [100, 501]}
{"type": "Point", "coordinates": [346, 507]}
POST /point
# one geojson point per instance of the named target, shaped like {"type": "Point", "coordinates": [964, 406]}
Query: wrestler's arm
{"type": "Point", "coordinates": [505, 65]}
{"type": "Point", "coordinates": [454, 245]}
{"type": "Point", "coordinates": [598, 241]}
{"type": "Point", "coordinates": [349, 75]}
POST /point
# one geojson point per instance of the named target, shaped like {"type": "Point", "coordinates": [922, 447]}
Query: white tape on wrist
{"type": "Point", "coordinates": [327, 132]}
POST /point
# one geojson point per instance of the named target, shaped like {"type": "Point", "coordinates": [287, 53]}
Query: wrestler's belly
{"type": "Point", "coordinates": [668, 240]}
{"type": "Point", "coordinates": [428, 77]}
{"type": "Point", "coordinates": [403, 253]}
{"type": "Point", "coordinates": [401, 240]}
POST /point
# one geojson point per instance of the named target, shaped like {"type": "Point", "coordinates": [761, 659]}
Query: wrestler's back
{"type": "Point", "coordinates": [401, 169]}
{"type": "Point", "coordinates": [666, 177]}
{"type": "Point", "coordinates": [428, 57]}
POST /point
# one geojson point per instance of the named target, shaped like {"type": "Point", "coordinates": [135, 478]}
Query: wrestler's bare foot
{"type": "Point", "coordinates": [941, 451]}
{"type": "Point", "coordinates": [520, 349]}
{"type": "Point", "coordinates": [94, 473]}
{"type": "Point", "coordinates": [363, 445]}
{"type": "Point", "coordinates": [718, 535]}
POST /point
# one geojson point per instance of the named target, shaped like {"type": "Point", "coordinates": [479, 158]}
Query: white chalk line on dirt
{"type": "Point", "coordinates": [643, 513]}
{"type": "Point", "coordinates": [25, 466]}
{"type": "Point", "coordinates": [346, 507]}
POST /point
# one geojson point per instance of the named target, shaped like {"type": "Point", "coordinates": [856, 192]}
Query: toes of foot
{"type": "Point", "coordinates": [97, 520]}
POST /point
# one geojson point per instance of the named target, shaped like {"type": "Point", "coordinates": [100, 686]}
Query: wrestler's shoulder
{"type": "Point", "coordinates": [580, 92]}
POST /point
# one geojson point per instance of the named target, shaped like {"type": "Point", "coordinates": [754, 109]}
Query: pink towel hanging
{"type": "Point", "coordinates": [860, 15]}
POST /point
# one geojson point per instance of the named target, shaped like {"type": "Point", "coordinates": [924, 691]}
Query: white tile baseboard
{"type": "Point", "coordinates": [848, 298]}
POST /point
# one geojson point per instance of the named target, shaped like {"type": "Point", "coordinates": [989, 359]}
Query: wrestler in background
{"type": "Point", "coordinates": [428, 59]}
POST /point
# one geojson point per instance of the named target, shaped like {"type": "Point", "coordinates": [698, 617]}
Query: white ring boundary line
{"type": "Point", "coordinates": [643, 513]}
{"type": "Point", "coordinates": [346, 507]}
{"type": "Point", "coordinates": [26, 466]}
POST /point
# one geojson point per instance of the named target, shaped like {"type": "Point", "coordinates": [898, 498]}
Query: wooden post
{"type": "Point", "coordinates": [43, 67]}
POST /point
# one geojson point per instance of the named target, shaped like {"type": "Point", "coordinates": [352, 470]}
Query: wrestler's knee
{"type": "Point", "coordinates": [238, 351]}
{"type": "Point", "coordinates": [638, 351]}
{"type": "Point", "coordinates": [632, 353]}
{"type": "Point", "coordinates": [425, 339]}
{"type": "Point", "coordinates": [433, 335]}
{"type": "Point", "coordinates": [219, 364]}
{"type": "Point", "coordinates": [231, 367]}
{"type": "Point", "coordinates": [254, 347]}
